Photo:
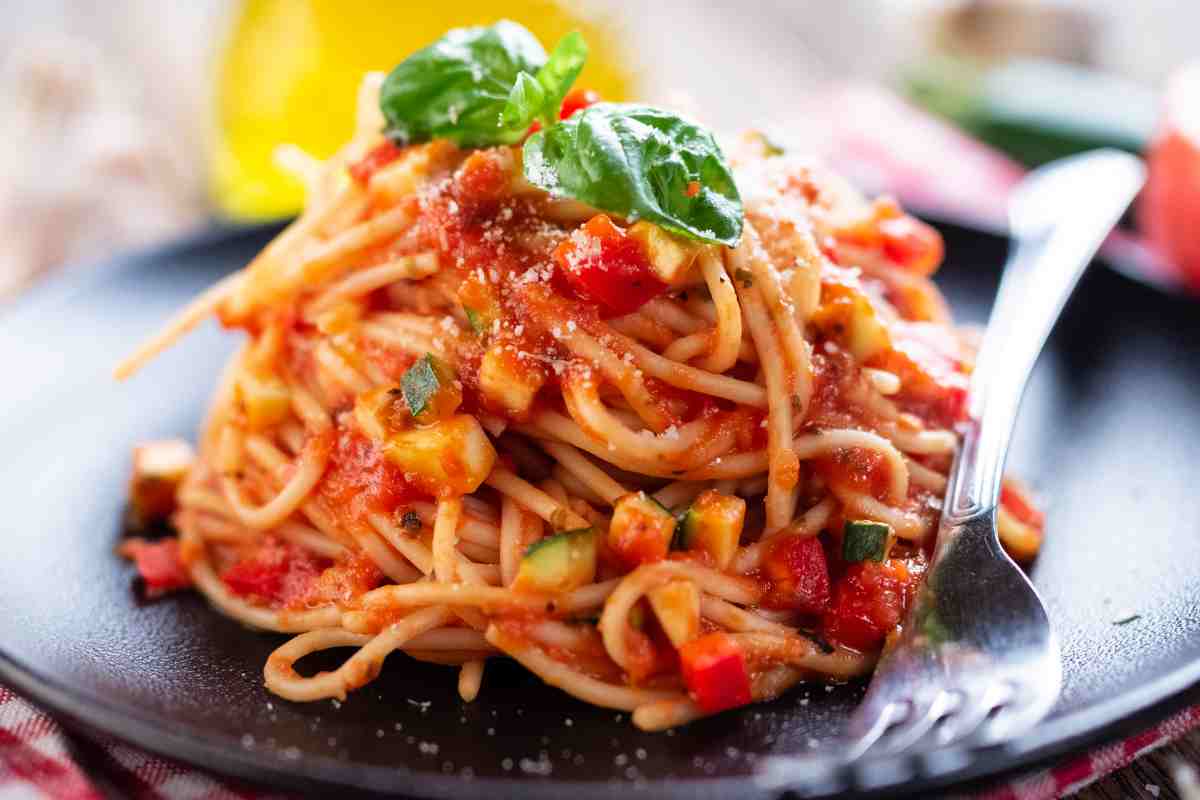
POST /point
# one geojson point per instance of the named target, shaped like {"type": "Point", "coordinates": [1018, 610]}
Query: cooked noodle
{"type": "Point", "coordinates": [775, 374]}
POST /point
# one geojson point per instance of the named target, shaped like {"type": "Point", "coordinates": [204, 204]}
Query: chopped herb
{"type": "Point", "coordinates": [411, 520]}
{"type": "Point", "coordinates": [745, 276]}
{"type": "Point", "coordinates": [420, 383]}
{"type": "Point", "coordinates": [1128, 618]}
{"type": "Point", "coordinates": [864, 540]}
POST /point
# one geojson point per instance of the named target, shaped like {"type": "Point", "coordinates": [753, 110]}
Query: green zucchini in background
{"type": "Point", "coordinates": [1035, 110]}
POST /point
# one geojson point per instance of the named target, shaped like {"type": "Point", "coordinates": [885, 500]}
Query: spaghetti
{"type": "Point", "coordinates": [473, 419]}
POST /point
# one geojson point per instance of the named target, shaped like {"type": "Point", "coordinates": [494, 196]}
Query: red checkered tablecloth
{"type": "Point", "coordinates": [39, 761]}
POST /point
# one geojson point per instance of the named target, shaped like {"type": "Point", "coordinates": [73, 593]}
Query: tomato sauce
{"type": "Point", "coordinates": [361, 480]}
{"type": "Point", "coordinates": [378, 158]}
{"type": "Point", "coordinates": [869, 601]}
{"type": "Point", "coordinates": [276, 573]}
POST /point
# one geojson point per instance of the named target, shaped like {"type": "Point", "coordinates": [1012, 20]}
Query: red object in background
{"type": "Point", "coordinates": [885, 145]}
{"type": "Point", "coordinates": [1169, 208]}
{"type": "Point", "coordinates": [714, 669]}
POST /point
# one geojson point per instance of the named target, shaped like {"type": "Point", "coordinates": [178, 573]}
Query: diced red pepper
{"type": "Point", "coordinates": [378, 158]}
{"type": "Point", "coordinates": [277, 572]}
{"type": "Point", "coordinates": [799, 575]}
{"type": "Point", "coordinates": [868, 603]}
{"type": "Point", "coordinates": [602, 263]}
{"type": "Point", "coordinates": [715, 671]}
{"type": "Point", "coordinates": [577, 99]}
{"type": "Point", "coordinates": [158, 563]}
{"type": "Point", "coordinates": [912, 244]}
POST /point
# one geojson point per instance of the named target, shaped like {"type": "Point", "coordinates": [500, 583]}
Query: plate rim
{"type": "Point", "coordinates": [1070, 733]}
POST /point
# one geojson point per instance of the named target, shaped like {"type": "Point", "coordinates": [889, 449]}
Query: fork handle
{"type": "Point", "coordinates": [1043, 267]}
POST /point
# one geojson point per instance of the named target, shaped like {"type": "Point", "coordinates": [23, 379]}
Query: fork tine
{"type": "Point", "coordinates": [872, 719]}
{"type": "Point", "coordinates": [973, 713]}
{"type": "Point", "coordinates": [1015, 717]}
{"type": "Point", "coordinates": [922, 719]}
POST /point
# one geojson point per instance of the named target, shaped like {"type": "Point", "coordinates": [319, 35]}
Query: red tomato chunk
{"type": "Point", "coordinates": [868, 603]}
{"type": "Point", "coordinates": [158, 563]}
{"type": "Point", "coordinates": [576, 100]}
{"type": "Point", "coordinates": [714, 669]}
{"type": "Point", "coordinates": [277, 572]}
{"type": "Point", "coordinates": [603, 264]}
{"type": "Point", "coordinates": [799, 575]}
{"type": "Point", "coordinates": [912, 244]}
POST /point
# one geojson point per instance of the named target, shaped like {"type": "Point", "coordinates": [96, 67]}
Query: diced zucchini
{"type": "Point", "coordinates": [559, 563]}
{"type": "Point", "coordinates": [265, 398]}
{"type": "Point", "coordinates": [452, 455]}
{"type": "Point", "coordinates": [846, 315]}
{"type": "Point", "coordinates": [430, 389]}
{"type": "Point", "coordinates": [713, 524]}
{"type": "Point", "coordinates": [507, 381]}
{"type": "Point", "coordinates": [677, 607]}
{"type": "Point", "coordinates": [158, 469]}
{"type": "Point", "coordinates": [864, 540]}
{"type": "Point", "coordinates": [641, 529]}
{"type": "Point", "coordinates": [670, 256]}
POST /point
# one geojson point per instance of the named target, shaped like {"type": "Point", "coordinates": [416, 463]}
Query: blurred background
{"type": "Point", "coordinates": [130, 122]}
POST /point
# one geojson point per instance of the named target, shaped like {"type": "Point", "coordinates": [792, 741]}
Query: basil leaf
{"type": "Point", "coordinates": [419, 384]}
{"type": "Point", "coordinates": [863, 540]}
{"type": "Point", "coordinates": [539, 97]}
{"type": "Point", "coordinates": [456, 87]}
{"type": "Point", "coordinates": [639, 161]}
{"type": "Point", "coordinates": [525, 103]}
{"type": "Point", "coordinates": [557, 75]}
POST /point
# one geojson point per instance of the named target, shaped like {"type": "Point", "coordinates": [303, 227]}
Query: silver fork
{"type": "Point", "coordinates": [977, 661]}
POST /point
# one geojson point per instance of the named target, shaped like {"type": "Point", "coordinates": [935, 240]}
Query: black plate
{"type": "Point", "coordinates": [1108, 433]}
